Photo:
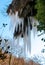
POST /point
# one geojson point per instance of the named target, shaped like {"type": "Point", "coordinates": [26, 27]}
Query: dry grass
{"type": "Point", "coordinates": [15, 61]}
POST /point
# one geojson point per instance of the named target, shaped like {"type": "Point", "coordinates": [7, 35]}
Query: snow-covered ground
{"type": "Point", "coordinates": [6, 33]}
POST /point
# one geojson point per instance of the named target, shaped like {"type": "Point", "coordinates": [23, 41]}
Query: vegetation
{"type": "Point", "coordinates": [41, 14]}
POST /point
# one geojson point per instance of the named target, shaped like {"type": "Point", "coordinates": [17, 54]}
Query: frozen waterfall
{"type": "Point", "coordinates": [15, 22]}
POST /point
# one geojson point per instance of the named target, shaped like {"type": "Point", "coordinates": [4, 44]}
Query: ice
{"type": "Point", "coordinates": [18, 49]}
{"type": "Point", "coordinates": [39, 59]}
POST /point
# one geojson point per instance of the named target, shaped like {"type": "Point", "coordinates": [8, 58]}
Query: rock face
{"type": "Point", "coordinates": [15, 61]}
{"type": "Point", "coordinates": [24, 7]}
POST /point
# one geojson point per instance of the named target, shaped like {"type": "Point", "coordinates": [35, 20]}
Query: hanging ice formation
{"type": "Point", "coordinates": [20, 13]}
{"type": "Point", "coordinates": [22, 28]}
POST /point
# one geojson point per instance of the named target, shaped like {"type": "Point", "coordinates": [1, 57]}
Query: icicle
{"type": "Point", "coordinates": [17, 40]}
{"type": "Point", "coordinates": [29, 37]}
{"type": "Point", "coordinates": [25, 42]}
{"type": "Point", "coordinates": [12, 22]}
{"type": "Point", "coordinates": [25, 45]}
{"type": "Point", "coordinates": [34, 25]}
{"type": "Point", "coordinates": [22, 26]}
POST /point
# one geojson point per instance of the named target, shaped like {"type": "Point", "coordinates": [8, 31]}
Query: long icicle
{"type": "Point", "coordinates": [29, 38]}
{"type": "Point", "coordinates": [24, 41]}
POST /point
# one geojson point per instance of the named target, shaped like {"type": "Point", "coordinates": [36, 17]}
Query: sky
{"type": "Point", "coordinates": [7, 33]}
{"type": "Point", "coordinates": [4, 18]}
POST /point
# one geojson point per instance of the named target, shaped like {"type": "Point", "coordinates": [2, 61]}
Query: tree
{"type": "Point", "coordinates": [41, 15]}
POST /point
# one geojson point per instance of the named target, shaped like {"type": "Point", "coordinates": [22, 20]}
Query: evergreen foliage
{"type": "Point", "coordinates": [41, 14]}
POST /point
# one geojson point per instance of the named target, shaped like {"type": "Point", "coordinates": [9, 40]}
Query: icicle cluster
{"type": "Point", "coordinates": [20, 12]}
{"type": "Point", "coordinates": [22, 29]}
